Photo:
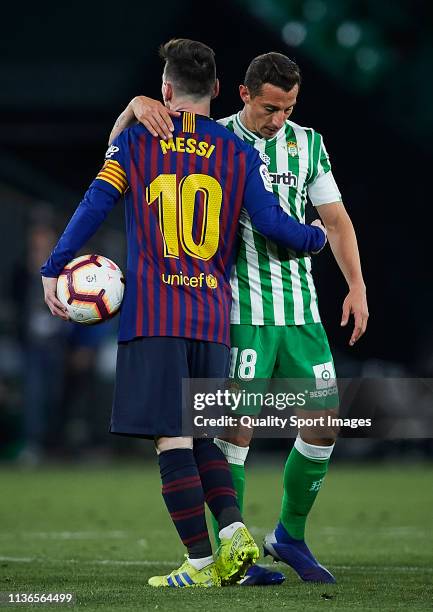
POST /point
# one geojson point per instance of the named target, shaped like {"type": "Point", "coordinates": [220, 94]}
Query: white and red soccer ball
{"type": "Point", "coordinates": [91, 287]}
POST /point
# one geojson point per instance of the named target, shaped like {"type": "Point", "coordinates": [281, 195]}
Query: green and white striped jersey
{"type": "Point", "coordinates": [270, 285]}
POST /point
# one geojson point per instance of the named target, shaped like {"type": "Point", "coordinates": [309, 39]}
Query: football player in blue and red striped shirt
{"type": "Point", "coordinates": [183, 198]}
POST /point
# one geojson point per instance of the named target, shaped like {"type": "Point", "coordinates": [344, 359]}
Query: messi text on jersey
{"type": "Point", "coordinates": [187, 145]}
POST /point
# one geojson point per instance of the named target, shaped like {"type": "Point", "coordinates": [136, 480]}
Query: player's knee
{"type": "Point", "coordinates": [333, 431]}
{"type": "Point", "coordinates": [240, 437]}
{"type": "Point", "coordinates": [324, 436]}
{"type": "Point", "coordinates": [164, 443]}
{"type": "Point", "coordinates": [320, 428]}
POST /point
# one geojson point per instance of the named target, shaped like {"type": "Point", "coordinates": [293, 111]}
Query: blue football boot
{"type": "Point", "coordinates": [295, 553]}
{"type": "Point", "coordinates": [261, 576]}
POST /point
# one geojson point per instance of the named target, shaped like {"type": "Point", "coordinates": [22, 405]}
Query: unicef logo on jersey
{"type": "Point", "coordinates": [325, 375]}
{"type": "Point", "coordinates": [111, 151]}
{"type": "Point", "coordinates": [211, 281]}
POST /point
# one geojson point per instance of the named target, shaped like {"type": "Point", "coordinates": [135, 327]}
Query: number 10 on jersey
{"type": "Point", "coordinates": [176, 202]}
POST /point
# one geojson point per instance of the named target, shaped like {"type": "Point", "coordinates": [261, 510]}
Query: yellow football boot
{"type": "Point", "coordinates": [188, 576]}
{"type": "Point", "coordinates": [235, 555]}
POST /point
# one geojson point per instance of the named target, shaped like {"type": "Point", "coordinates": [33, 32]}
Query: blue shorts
{"type": "Point", "coordinates": [148, 390]}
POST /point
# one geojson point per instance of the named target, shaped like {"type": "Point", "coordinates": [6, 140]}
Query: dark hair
{"type": "Point", "coordinates": [190, 65]}
{"type": "Point", "coordinates": [273, 68]}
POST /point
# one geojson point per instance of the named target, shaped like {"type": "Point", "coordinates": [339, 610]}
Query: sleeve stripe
{"type": "Point", "coordinates": [113, 177]}
{"type": "Point", "coordinates": [116, 175]}
{"type": "Point", "coordinates": [116, 169]}
{"type": "Point", "coordinates": [113, 173]}
{"type": "Point", "coordinates": [114, 165]}
{"type": "Point", "coordinates": [109, 177]}
{"type": "Point", "coordinates": [106, 180]}
{"type": "Point", "coordinates": [121, 187]}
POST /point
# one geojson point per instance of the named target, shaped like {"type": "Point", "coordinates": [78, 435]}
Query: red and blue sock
{"type": "Point", "coordinates": [217, 482]}
{"type": "Point", "coordinates": [183, 495]}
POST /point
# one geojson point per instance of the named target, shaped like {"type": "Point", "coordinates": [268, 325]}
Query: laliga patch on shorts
{"type": "Point", "coordinates": [325, 375]}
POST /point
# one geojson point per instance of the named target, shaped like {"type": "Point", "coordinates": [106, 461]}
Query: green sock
{"type": "Point", "coordinates": [302, 481]}
{"type": "Point", "coordinates": [238, 475]}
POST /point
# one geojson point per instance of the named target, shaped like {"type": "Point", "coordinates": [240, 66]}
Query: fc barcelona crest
{"type": "Point", "coordinates": [292, 148]}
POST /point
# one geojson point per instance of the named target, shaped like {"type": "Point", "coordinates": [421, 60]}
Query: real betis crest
{"type": "Point", "coordinates": [292, 148]}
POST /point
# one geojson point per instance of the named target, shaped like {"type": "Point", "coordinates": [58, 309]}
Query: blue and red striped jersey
{"type": "Point", "coordinates": [183, 199]}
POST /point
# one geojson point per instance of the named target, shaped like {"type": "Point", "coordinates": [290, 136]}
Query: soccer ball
{"type": "Point", "coordinates": [91, 287]}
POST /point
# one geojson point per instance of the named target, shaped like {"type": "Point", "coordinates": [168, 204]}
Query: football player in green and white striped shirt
{"type": "Point", "coordinates": [276, 328]}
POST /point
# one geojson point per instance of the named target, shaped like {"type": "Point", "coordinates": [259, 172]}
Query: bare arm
{"type": "Point", "coordinates": [151, 113]}
{"type": "Point", "coordinates": [343, 243]}
{"type": "Point", "coordinates": [124, 120]}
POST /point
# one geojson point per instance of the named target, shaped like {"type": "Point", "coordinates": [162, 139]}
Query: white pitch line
{"type": "Point", "coordinates": [68, 535]}
{"type": "Point", "coordinates": [18, 559]}
{"type": "Point", "coordinates": [385, 568]}
{"type": "Point", "coordinates": [380, 531]}
{"type": "Point", "coordinates": [402, 531]}
{"type": "Point", "coordinates": [85, 562]}
{"type": "Point", "coordinates": [146, 562]}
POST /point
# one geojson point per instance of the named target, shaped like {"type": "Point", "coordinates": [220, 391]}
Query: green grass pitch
{"type": "Point", "coordinates": [100, 533]}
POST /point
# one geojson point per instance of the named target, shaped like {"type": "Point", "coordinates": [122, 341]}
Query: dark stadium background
{"type": "Point", "coordinates": [67, 70]}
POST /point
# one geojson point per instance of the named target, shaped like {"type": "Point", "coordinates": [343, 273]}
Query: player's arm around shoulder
{"type": "Point", "coordinates": [152, 114]}
{"type": "Point", "coordinates": [269, 218]}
